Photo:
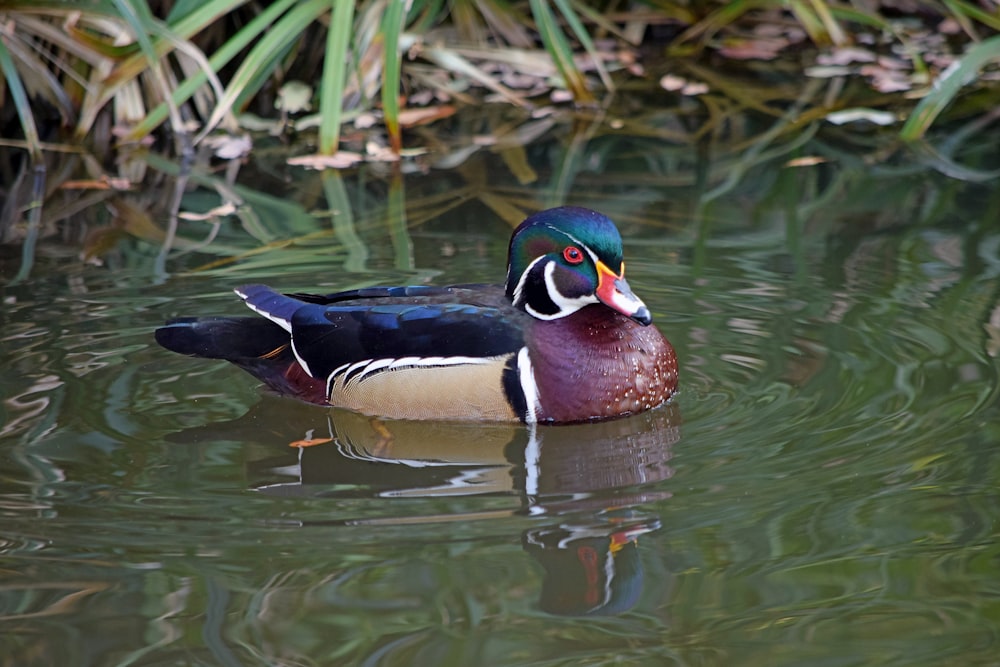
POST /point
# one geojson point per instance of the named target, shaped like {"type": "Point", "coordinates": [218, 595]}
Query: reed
{"type": "Point", "coordinates": [107, 72]}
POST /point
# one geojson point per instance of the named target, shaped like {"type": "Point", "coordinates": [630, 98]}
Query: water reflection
{"type": "Point", "coordinates": [593, 480]}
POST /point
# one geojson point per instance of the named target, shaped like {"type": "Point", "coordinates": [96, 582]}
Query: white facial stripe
{"type": "Point", "coordinates": [542, 316]}
{"type": "Point", "coordinates": [566, 304]}
{"type": "Point", "coordinates": [526, 375]}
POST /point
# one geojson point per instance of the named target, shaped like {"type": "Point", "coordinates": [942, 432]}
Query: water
{"type": "Point", "coordinates": [823, 491]}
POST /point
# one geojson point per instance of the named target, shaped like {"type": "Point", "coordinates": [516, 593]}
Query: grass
{"type": "Point", "coordinates": [109, 80]}
{"type": "Point", "coordinates": [203, 63]}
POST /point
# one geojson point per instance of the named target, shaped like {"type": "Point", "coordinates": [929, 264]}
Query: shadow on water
{"type": "Point", "coordinates": [591, 483]}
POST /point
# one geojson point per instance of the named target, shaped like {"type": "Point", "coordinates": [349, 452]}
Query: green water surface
{"type": "Point", "coordinates": [823, 490]}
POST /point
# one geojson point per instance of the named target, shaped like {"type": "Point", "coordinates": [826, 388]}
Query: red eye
{"type": "Point", "coordinates": [572, 255]}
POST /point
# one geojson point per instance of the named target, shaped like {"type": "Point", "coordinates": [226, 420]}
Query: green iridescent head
{"type": "Point", "coordinates": [563, 259]}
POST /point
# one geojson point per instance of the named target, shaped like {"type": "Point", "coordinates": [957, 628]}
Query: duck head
{"type": "Point", "coordinates": [565, 258]}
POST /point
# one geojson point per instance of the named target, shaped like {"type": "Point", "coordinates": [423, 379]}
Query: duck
{"type": "Point", "coordinates": [563, 340]}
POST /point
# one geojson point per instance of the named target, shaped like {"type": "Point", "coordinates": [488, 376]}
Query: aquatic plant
{"type": "Point", "coordinates": [116, 71]}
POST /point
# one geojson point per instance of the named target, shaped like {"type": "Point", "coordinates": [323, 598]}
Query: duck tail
{"type": "Point", "coordinates": [258, 346]}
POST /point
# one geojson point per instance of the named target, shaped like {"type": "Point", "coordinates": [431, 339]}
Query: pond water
{"type": "Point", "coordinates": [823, 490]}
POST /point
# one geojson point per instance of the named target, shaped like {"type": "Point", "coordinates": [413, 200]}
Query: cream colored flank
{"type": "Point", "coordinates": [454, 388]}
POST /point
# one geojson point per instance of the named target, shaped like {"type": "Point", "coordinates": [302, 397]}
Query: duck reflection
{"type": "Point", "coordinates": [593, 481]}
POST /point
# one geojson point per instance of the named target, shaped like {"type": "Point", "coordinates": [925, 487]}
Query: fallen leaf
{"type": "Point", "coordinates": [845, 56]}
{"type": "Point", "coordinates": [806, 161]}
{"type": "Point", "coordinates": [339, 160]}
{"type": "Point", "coordinates": [423, 116]}
{"type": "Point", "coordinates": [889, 62]}
{"type": "Point", "coordinates": [293, 97]}
{"type": "Point", "coordinates": [695, 88]}
{"type": "Point", "coordinates": [379, 153]}
{"type": "Point", "coordinates": [311, 442]}
{"type": "Point", "coordinates": [887, 80]}
{"type": "Point", "coordinates": [229, 147]}
{"type": "Point", "coordinates": [255, 123]}
{"type": "Point", "coordinates": [102, 183]}
{"type": "Point", "coordinates": [827, 71]}
{"type": "Point", "coordinates": [672, 82]}
{"type": "Point", "coordinates": [949, 26]}
{"type": "Point", "coordinates": [860, 113]}
{"type": "Point", "coordinates": [226, 209]}
{"type": "Point", "coordinates": [365, 120]}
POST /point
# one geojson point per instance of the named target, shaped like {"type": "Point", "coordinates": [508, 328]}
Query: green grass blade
{"type": "Point", "coordinates": [964, 10]}
{"type": "Point", "coordinates": [830, 25]}
{"type": "Point", "coordinates": [402, 244]}
{"type": "Point", "coordinates": [947, 87]}
{"type": "Point", "coordinates": [392, 63]}
{"type": "Point", "coordinates": [138, 17]}
{"type": "Point", "coordinates": [264, 56]}
{"type": "Point", "coordinates": [729, 13]}
{"type": "Point", "coordinates": [584, 37]}
{"type": "Point", "coordinates": [222, 56]}
{"type": "Point", "coordinates": [559, 49]}
{"type": "Point", "coordinates": [454, 62]}
{"type": "Point", "coordinates": [21, 103]}
{"type": "Point", "coordinates": [428, 13]}
{"type": "Point", "coordinates": [338, 201]}
{"type": "Point", "coordinates": [331, 91]}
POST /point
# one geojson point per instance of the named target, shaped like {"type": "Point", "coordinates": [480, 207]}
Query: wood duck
{"type": "Point", "coordinates": [565, 340]}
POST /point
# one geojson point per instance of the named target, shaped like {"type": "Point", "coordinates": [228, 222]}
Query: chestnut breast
{"type": "Point", "coordinates": [599, 364]}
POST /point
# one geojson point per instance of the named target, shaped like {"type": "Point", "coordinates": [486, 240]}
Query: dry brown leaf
{"type": "Point", "coordinates": [672, 82]}
{"type": "Point", "coordinates": [694, 88]}
{"type": "Point", "coordinates": [827, 72]}
{"type": "Point", "coordinates": [861, 114]}
{"type": "Point", "coordinates": [806, 161]}
{"type": "Point", "coordinates": [102, 183]}
{"type": "Point", "coordinates": [887, 80]}
{"type": "Point", "coordinates": [423, 116]}
{"type": "Point", "coordinates": [376, 152]}
{"type": "Point", "coordinates": [339, 160]}
{"type": "Point", "coordinates": [365, 120]}
{"type": "Point", "coordinates": [845, 56]}
{"type": "Point", "coordinates": [230, 147]}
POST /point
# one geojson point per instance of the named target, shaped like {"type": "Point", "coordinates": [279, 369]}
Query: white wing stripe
{"type": "Point", "coordinates": [283, 323]}
{"type": "Point", "coordinates": [302, 362]}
